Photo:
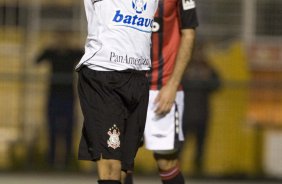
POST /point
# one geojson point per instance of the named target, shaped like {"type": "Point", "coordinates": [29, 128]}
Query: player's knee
{"type": "Point", "coordinates": [109, 169]}
{"type": "Point", "coordinates": [166, 160]}
{"type": "Point", "coordinates": [165, 164]}
{"type": "Point", "coordinates": [115, 169]}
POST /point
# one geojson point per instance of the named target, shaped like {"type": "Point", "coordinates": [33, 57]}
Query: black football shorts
{"type": "Point", "coordinates": [114, 106]}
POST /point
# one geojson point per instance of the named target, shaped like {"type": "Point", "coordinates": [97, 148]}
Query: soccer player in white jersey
{"type": "Point", "coordinates": [112, 86]}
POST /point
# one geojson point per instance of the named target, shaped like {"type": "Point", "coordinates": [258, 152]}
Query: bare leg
{"type": "Point", "coordinates": [166, 165]}
{"type": "Point", "coordinates": [109, 169]}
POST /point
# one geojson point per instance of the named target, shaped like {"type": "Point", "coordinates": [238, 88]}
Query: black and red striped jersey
{"type": "Point", "coordinates": [170, 18]}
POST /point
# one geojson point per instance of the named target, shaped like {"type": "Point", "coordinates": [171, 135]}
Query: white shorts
{"type": "Point", "coordinates": [162, 133]}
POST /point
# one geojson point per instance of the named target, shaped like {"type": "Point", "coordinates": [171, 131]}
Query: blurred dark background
{"type": "Point", "coordinates": [242, 41]}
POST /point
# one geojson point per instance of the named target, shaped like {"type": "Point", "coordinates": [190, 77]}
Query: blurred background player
{"type": "Point", "coordinates": [172, 44]}
{"type": "Point", "coordinates": [199, 82]}
{"type": "Point", "coordinates": [62, 57]}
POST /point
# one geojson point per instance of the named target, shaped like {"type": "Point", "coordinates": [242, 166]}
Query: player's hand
{"type": "Point", "coordinates": [165, 100]}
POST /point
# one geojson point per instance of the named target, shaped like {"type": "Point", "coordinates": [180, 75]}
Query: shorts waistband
{"type": "Point", "coordinates": [132, 71]}
{"type": "Point", "coordinates": [127, 71]}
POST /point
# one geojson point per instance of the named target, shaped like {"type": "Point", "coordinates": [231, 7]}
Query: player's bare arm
{"type": "Point", "coordinates": [167, 94]}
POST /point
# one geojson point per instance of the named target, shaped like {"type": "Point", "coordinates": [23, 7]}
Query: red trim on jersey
{"type": "Point", "coordinates": [170, 35]}
{"type": "Point", "coordinates": [172, 18]}
{"type": "Point", "coordinates": [155, 58]}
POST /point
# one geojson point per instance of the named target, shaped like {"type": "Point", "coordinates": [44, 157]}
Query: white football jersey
{"type": "Point", "coordinates": [119, 34]}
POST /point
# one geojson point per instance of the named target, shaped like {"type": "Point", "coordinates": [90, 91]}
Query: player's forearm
{"type": "Point", "coordinates": [183, 57]}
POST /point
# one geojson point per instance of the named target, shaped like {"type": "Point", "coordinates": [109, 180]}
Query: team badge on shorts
{"type": "Point", "coordinates": [113, 140]}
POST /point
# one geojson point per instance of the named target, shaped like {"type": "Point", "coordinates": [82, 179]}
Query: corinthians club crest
{"type": "Point", "coordinates": [139, 5]}
{"type": "Point", "coordinates": [113, 140]}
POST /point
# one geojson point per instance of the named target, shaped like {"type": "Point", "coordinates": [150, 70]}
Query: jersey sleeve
{"type": "Point", "coordinates": [187, 14]}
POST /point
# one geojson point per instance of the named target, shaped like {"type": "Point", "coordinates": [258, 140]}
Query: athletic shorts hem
{"type": "Point", "coordinates": [95, 158]}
